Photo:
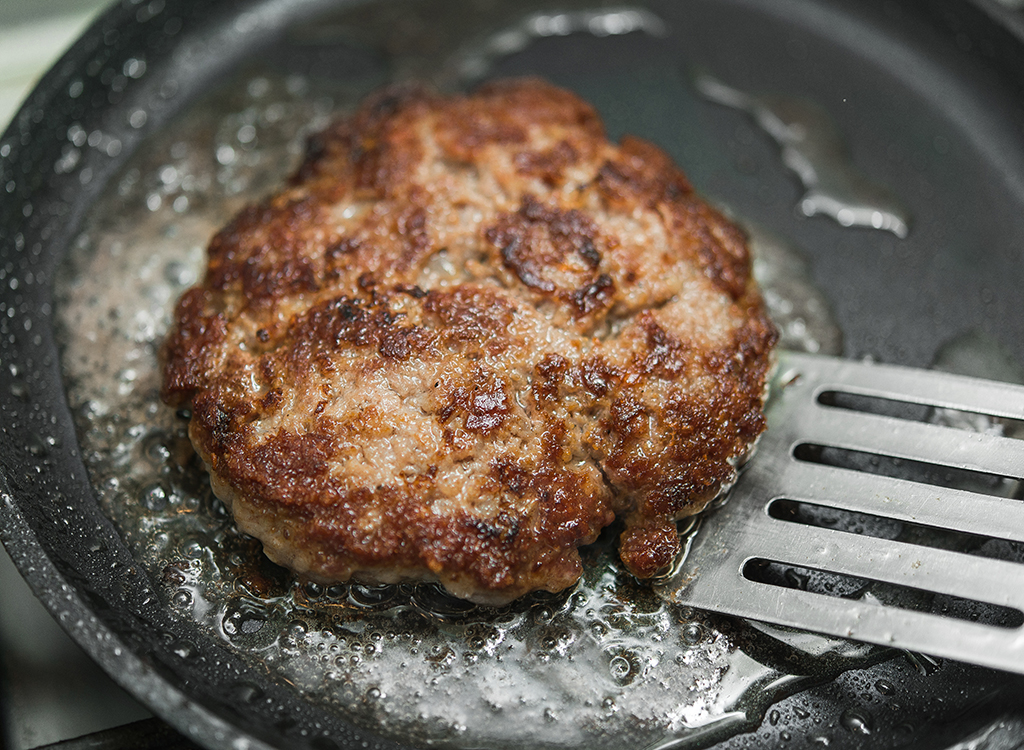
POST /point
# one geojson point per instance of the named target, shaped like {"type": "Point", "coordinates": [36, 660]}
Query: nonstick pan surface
{"type": "Point", "coordinates": [928, 97]}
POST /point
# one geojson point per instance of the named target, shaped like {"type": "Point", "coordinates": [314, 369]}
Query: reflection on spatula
{"type": "Point", "coordinates": [883, 505]}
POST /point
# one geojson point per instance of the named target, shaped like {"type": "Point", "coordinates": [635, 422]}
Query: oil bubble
{"type": "Point", "coordinates": [620, 667]}
{"type": "Point", "coordinates": [369, 596]}
{"type": "Point", "coordinates": [440, 655]}
{"type": "Point", "coordinates": [242, 620]}
{"type": "Point", "coordinates": [154, 448]}
{"type": "Point", "coordinates": [155, 498]}
{"type": "Point", "coordinates": [692, 634]}
{"type": "Point", "coordinates": [436, 601]}
{"type": "Point", "coordinates": [313, 590]}
{"type": "Point", "coordinates": [624, 666]}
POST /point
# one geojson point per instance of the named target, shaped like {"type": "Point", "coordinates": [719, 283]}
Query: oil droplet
{"type": "Point", "coordinates": [857, 721]}
{"type": "Point", "coordinates": [37, 447]}
{"type": "Point", "coordinates": [185, 649]}
{"type": "Point", "coordinates": [885, 687]}
{"type": "Point", "coordinates": [246, 692]}
{"type": "Point", "coordinates": [924, 664]}
{"type": "Point", "coordinates": [773, 717]}
{"type": "Point", "coordinates": [18, 389]}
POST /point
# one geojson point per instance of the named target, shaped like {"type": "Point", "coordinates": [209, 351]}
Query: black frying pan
{"type": "Point", "coordinates": [929, 95]}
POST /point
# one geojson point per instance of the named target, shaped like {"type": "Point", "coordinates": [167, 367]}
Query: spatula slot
{"type": "Point", "coordinates": [837, 585]}
{"type": "Point", "coordinates": [881, 527]}
{"type": "Point", "coordinates": [874, 405]}
{"type": "Point", "coordinates": [962, 416]}
{"type": "Point", "coordinates": [937, 475]}
{"type": "Point", "coordinates": [812, 514]}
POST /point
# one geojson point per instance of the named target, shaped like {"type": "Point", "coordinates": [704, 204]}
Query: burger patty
{"type": "Point", "coordinates": [466, 336]}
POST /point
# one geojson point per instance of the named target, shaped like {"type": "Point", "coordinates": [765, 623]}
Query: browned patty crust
{"type": "Point", "coordinates": [466, 336]}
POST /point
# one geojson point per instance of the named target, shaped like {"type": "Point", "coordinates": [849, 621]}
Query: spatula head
{"type": "Point", "coordinates": [883, 505]}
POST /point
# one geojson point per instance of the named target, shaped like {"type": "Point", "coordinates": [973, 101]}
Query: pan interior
{"type": "Point", "coordinates": [607, 664]}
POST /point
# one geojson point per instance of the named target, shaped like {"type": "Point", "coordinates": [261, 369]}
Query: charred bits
{"type": "Point", "coordinates": [548, 165]}
{"type": "Point", "coordinates": [357, 322]}
{"type": "Point", "coordinates": [597, 295]}
{"type": "Point", "coordinates": [539, 240]}
{"type": "Point", "coordinates": [484, 406]}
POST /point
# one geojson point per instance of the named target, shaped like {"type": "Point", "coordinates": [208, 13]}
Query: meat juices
{"type": "Point", "coordinates": [466, 336]}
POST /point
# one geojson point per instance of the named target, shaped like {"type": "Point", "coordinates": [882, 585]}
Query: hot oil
{"type": "Point", "coordinates": [813, 148]}
{"type": "Point", "coordinates": [606, 664]}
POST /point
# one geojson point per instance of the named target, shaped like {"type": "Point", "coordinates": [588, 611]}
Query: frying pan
{"type": "Point", "coordinates": [929, 96]}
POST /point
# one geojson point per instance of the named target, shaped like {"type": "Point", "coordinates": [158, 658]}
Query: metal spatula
{"type": "Point", "coordinates": [883, 505]}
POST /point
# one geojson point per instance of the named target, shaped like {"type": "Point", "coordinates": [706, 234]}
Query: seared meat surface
{"type": "Point", "coordinates": [466, 336]}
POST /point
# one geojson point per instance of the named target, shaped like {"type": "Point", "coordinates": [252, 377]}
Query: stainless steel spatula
{"type": "Point", "coordinates": [883, 505]}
